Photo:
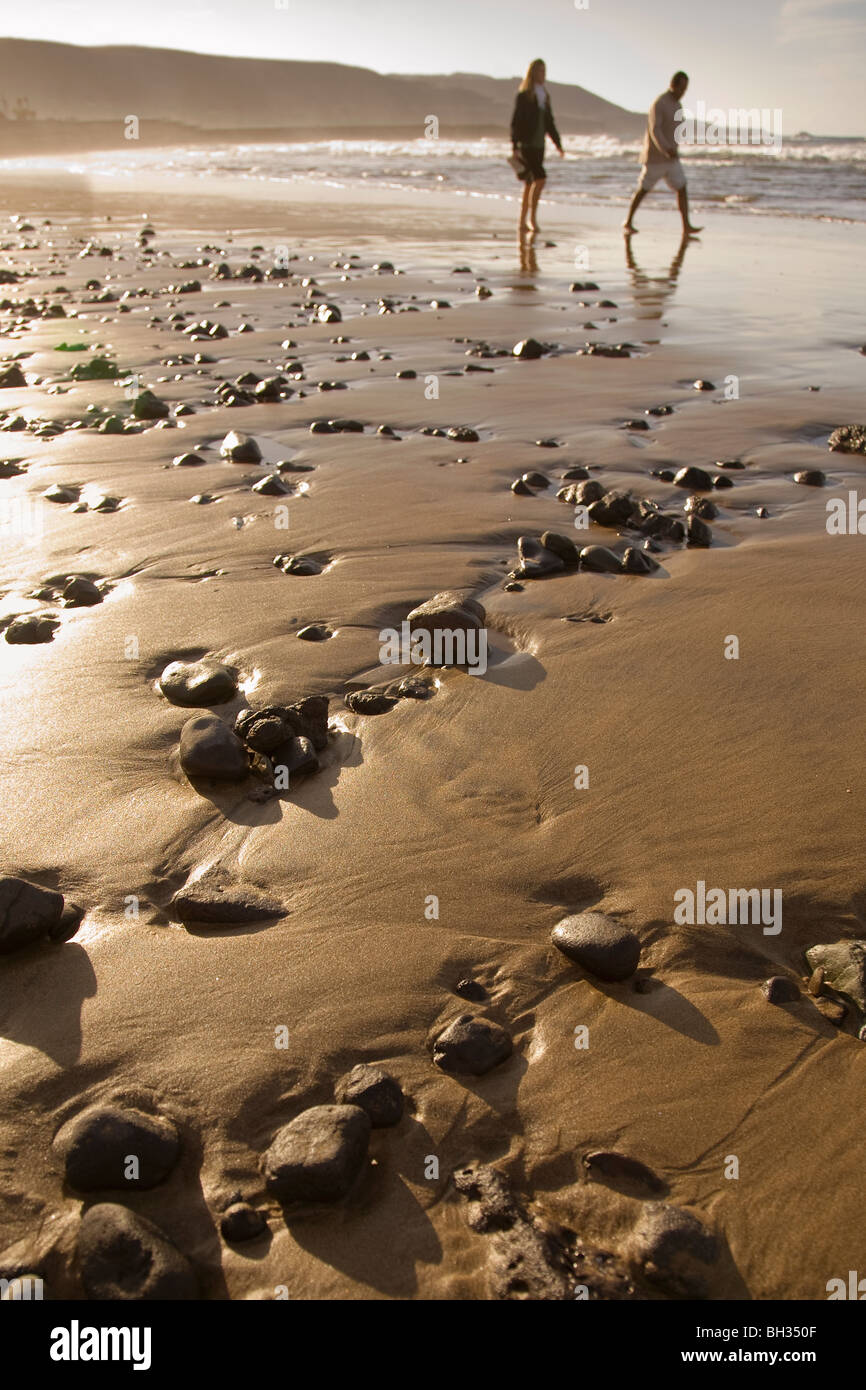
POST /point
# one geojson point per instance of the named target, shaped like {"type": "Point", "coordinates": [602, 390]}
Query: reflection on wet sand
{"type": "Point", "coordinates": [652, 292]}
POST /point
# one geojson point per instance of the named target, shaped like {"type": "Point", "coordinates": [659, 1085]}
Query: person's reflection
{"type": "Point", "coordinates": [526, 247]}
{"type": "Point", "coordinates": [653, 291]}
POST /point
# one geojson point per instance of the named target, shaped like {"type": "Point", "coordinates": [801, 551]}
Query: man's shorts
{"type": "Point", "coordinates": [673, 174]}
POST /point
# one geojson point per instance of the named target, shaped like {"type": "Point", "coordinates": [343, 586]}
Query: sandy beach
{"type": "Point", "coordinates": [440, 841]}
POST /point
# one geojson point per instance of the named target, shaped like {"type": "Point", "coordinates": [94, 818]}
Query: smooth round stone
{"type": "Point", "coordinates": [472, 1045]}
{"type": "Point", "coordinates": [240, 448]}
{"type": "Point", "coordinates": [96, 1145]}
{"type": "Point", "coordinates": [698, 479]}
{"type": "Point", "coordinates": [301, 565]}
{"type": "Point", "coordinates": [241, 1222]}
{"type": "Point", "coordinates": [369, 702]}
{"type": "Point", "coordinates": [698, 532]}
{"type": "Point", "coordinates": [780, 990]}
{"type": "Point", "coordinates": [536, 559]}
{"type": "Point", "coordinates": [271, 486]}
{"type": "Point", "coordinates": [374, 1091]}
{"type": "Point", "coordinates": [701, 385]}
{"type": "Point", "coordinates": [319, 1155]}
{"type": "Point", "coordinates": [600, 559]}
{"type": "Point", "coordinates": [576, 474]}
{"type": "Point", "coordinates": [521, 489]}
{"type": "Point", "coordinates": [470, 989]}
{"type": "Point", "coordinates": [527, 349]}
{"type": "Point", "coordinates": [209, 748]}
{"type": "Point", "coordinates": [30, 629]}
{"type": "Point", "coordinates": [561, 546]}
{"type": "Point", "coordinates": [28, 913]}
{"type": "Point", "coordinates": [313, 632]}
{"type": "Point", "coordinates": [810, 477]}
{"type": "Point", "coordinates": [187, 461]}
{"type": "Point", "coordinates": [702, 507]}
{"type": "Point", "coordinates": [588, 492]}
{"type": "Point", "coordinates": [123, 1256]}
{"type": "Point", "coordinates": [57, 492]}
{"type": "Point", "coordinates": [598, 944]}
{"type": "Point", "coordinates": [296, 756]}
{"type": "Point", "coordinates": [637, 562]}
{"type": "Point", "coordinates": [673, 1248]}
{"type": "Point", "coordinates": [536, 480]}
{"type": "Point", "coordinates": [198, 683]}
{"type": "Point", "coordinates": [147, 406]}
{"type": "Point", "coordinates": [80, 593]}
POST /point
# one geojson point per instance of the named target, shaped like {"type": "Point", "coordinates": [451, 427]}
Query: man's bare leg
{"type": "Point", "coordinates": [683, 202]}
{"type": "Point", "coordinates": [536, 188]}
{"type": "Point", "coordinates": [635, 203]}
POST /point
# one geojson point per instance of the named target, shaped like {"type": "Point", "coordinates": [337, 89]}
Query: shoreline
{"type": "Point", "coordinates": [701, 769]}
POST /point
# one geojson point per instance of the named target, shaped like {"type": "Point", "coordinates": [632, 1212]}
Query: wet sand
{"type": "Point", "coordinates": [738, 773]}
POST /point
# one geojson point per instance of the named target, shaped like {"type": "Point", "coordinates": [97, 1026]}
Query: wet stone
{"type": "Point", "coordinates": [528, 349]}
{"type": "Point", "coordinates": [318, 1156]}
{"type": "Point", "coordinates": [844, 967]}
{"type": "Point", "coordinates": [471, 1045]}
{"type": "Point", "coordinates": [95, 1147]}
{"type": "Point", "coordinates": [598, 944]}
{"type": "Point", "coordinates": [198, 683]}
{"type": "Point", "coordinates": [28, 913]}
{"type": "Point", "coordinates": [810, 477]}
{"type": "Point", "coordinates": [600, 559]}
{"type": "Point", "coordinates": [240, 1222]}
{"type": "Point", "coordinates": [271, 486]}
{"type": "Point", "coordinates": [122, 1256]}
{"type": "Point", "coordinates": [209, 748]}
{"type": "Point", "coordinates": [778, 989]}
{"type": "Point", "coordinates": [561, 546]}
{"type": "Point", "coordinates": [240, 448]}
{"type": "Point", "coordinates": [673, 1249]}
{"type": "Point", "coordinates": [470, 989]}
{"type": "Point", "coordinates": [30, 629]}
{"type": "Point", "coordinates": [535, 559]}
{"type": "Point", "coordinates": [80, 593]}
{"type": "Point", "coordinates": [698, 533]}
{"type": "Point", "coordinates": [374, 1091]}
{"type": "Point", "coordinates": [698, 479]}
{"type": "Point", "coordinates": [369, 702]}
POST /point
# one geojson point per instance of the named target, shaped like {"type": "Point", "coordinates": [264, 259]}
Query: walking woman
{"type": "Point", "coordinates": [531, 122]}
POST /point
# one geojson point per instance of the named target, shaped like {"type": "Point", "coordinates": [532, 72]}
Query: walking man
{"type": "Point", "coordinates": [660, 157]}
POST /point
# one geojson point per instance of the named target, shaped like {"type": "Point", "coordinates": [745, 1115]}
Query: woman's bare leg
{"type": "Point", "coordinates": [524, 207]}
{"type": "Point", "coordinates": [535, 194]}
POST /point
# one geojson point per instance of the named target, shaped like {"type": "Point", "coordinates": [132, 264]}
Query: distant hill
{"type": "Point", "coordinates": [65, 96]}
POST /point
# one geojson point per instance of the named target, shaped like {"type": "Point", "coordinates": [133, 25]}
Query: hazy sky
{"type": "Point", "coordinates": [806, 57]}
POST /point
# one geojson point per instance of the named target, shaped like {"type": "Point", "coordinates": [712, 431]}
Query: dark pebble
{"type": "Point", "coordinates": [471, 1045]}
{"type": "Point", "coordinates": [95, 1146]}
{"type": "Point", "coordinates": [122, 1256]}
{"type": "Point", "coordinates": [374, 1091]}
{"type": "Point", "coordinates": [319, 1155]}
{"type": "Point", "coordinates": [600, 945]}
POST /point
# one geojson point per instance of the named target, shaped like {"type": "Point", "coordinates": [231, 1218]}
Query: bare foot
{"type": "Point", "coordinates": [692, 231]}
{"type": "Point", "coordinates": [629, 230]}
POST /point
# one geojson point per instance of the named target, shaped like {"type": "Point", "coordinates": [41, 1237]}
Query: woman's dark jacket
{"type": "Point", "coordinates": [524, 122]}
